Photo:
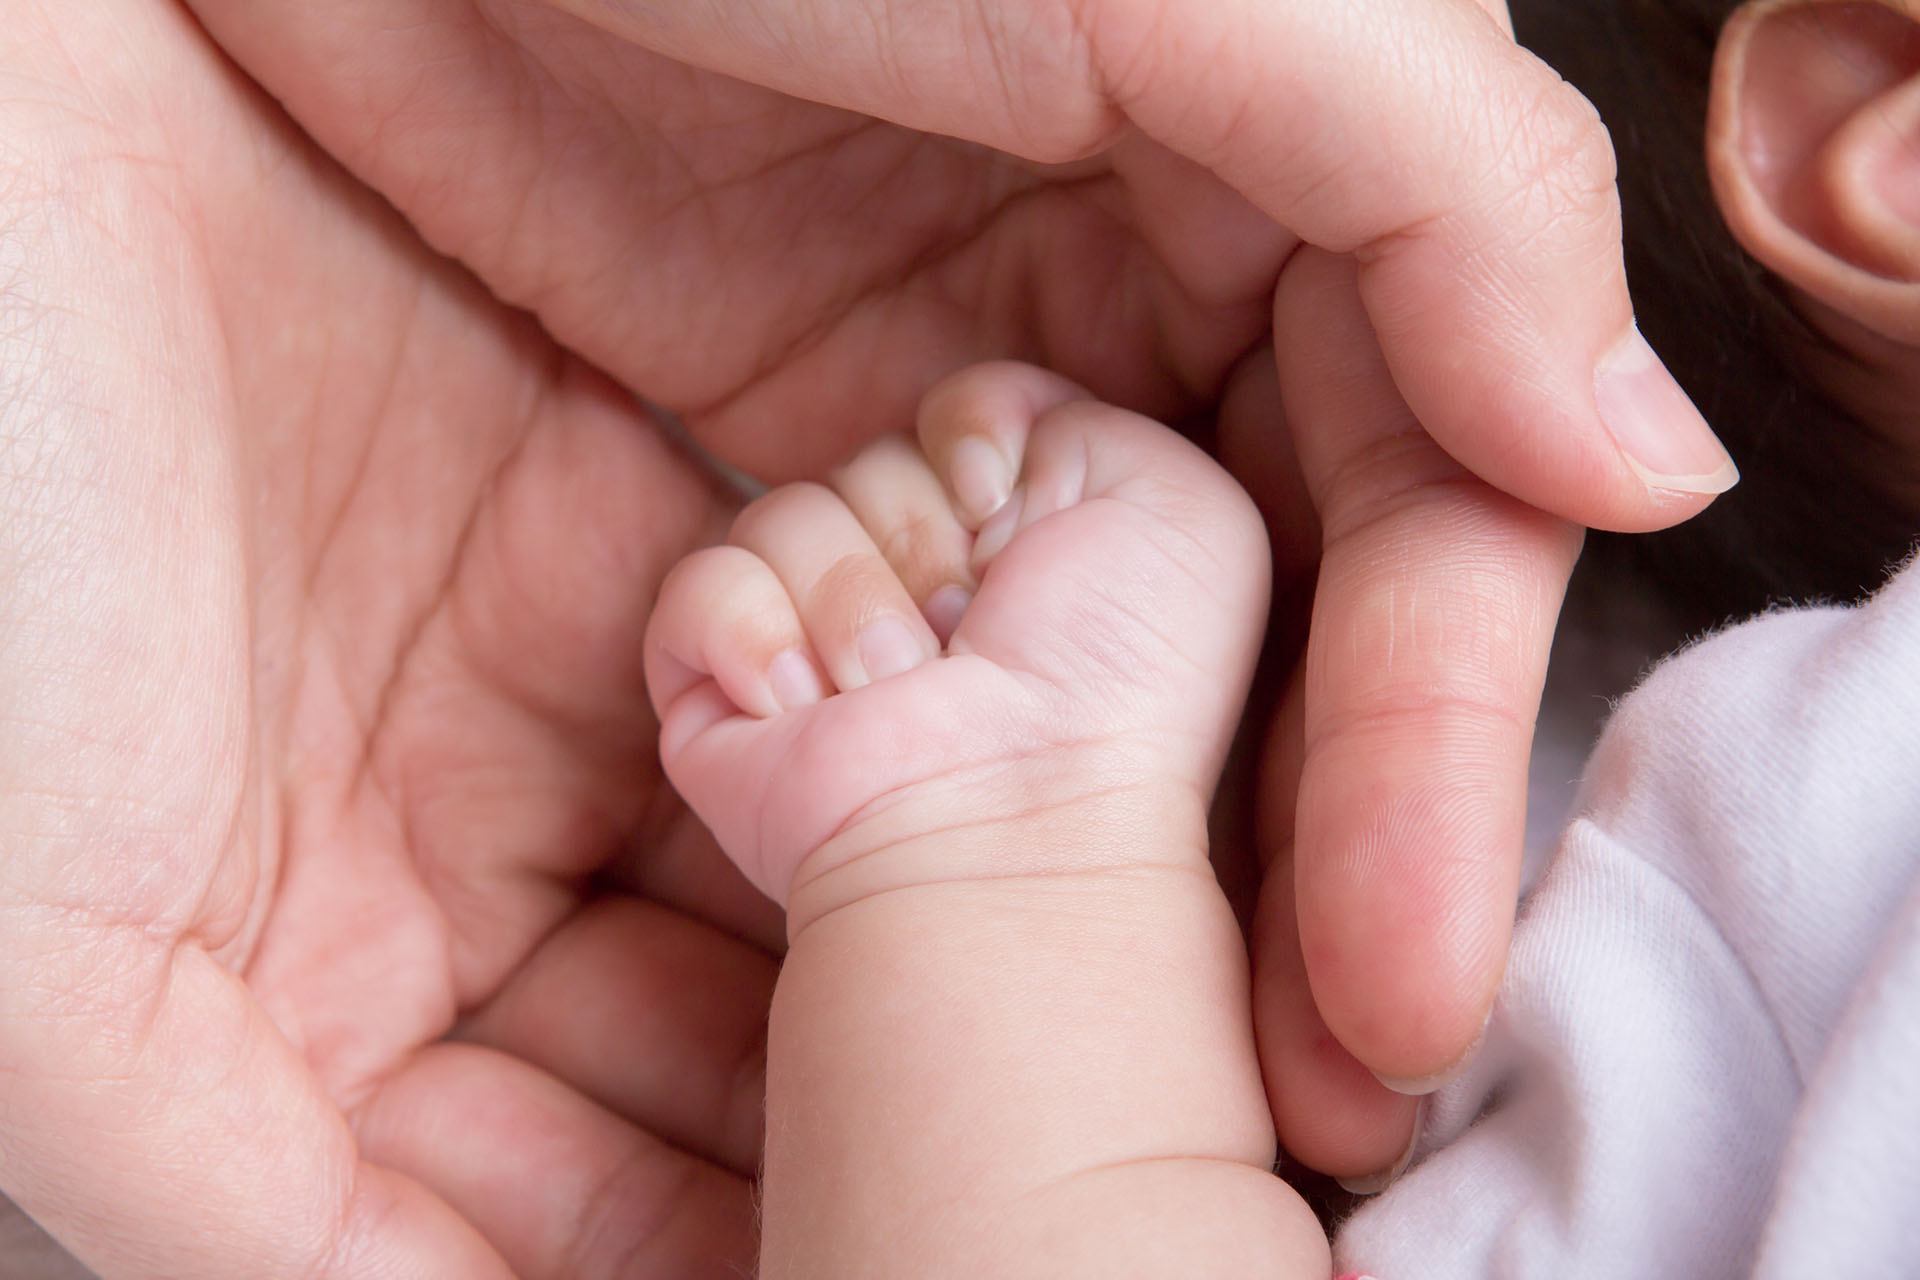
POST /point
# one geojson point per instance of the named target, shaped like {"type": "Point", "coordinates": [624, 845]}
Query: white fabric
{"type": "Point", "coordinates": [1706, 1058]}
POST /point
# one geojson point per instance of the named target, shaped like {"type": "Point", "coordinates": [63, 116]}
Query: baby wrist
{"type": "Point", "coordinates": [969, 835]}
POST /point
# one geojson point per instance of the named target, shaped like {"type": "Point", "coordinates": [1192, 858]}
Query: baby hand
{"type": "Point", "coordinates": [811, 717]}
{"type": "Point", "coordinates": [1012, 1034]}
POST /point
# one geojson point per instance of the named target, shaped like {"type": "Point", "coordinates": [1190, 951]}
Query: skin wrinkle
{"type": "Point", "coordinates": [368, 774]}
{"type": "Point", "coordinates": [504, 676]}
{"type": "Point", "coordinates": [1176, 860]}
{"type": "Point", "coordinates": [1236, 1163]}
{"type": "Point", "coordinates": [1189, 372]}
{"type": "Point", "coordinates": [996, 56]}
{"type": "Point", "coordinates": [1732, 332]}
{"type": "Point", "coordinates": [238, 636]}
{"type": "Point", "coordinates": [1551, 142]}
{"type": "Point", "coordinates": [883, 289]}
{"type": "Point", "coordinates": [987, 818]}
{"type": "Point", "coordinates": [1130, 284]}
{"type": "Point", "coordinates": [1118, 76]}
{"type": "Point", "coordinates": [1414, 709]}
{"type": "Point", "coordinates": [709, 192]}
{"type": "Point", "coordinates": [914, 546]}
{"type": "Point", "coordinates": [211, 881]}
{"type": "Point", "coordinates": [879, 806]}
{"type": "Point", "coordinates": [937, 265]}
{"type": "Point", "coordinates": [518, 1015]}
{"type": "Point", "coordinates": [606, 1213]}
{"type": "Point", "coordinates": [1120, 664]}
{"type": "Point", "coordinates": [408, 642]}
{"type": "Point", "coordinates": [319, 554]}
{"type": "Point", "coordinates": [519, 201]}
{"type": "Point", "coordinates": [853, 577]}
{"type": "Point", "coordinates": [528, 103]}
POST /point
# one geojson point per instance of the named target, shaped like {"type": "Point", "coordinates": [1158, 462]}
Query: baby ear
{"type": "Point", "coordinates": [1813, 144]}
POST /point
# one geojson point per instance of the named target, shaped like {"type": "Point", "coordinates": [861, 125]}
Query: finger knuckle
{"type": "Point", "coordinates": [1562, 148]}
{"type": "Point", "coordinates": [926, 554]}
{"type": "Point", "coordinates": [855, 589]}
{"type": "Point", "coordinates": [1376, 479]}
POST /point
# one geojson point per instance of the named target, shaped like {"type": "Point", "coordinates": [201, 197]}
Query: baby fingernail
{"type": "Point", "coordinates": [981, 477]}
{"type": "Point", "coordinates": [996, 533]}
{"type": "Point", "coordinates": [888, 647]}
{"type": "Point", "coordinates": [944, 610]}
{"type": "Point", "coordinates": [1659, 432]}
{"type": "Point", "coordinates": [794, 682]}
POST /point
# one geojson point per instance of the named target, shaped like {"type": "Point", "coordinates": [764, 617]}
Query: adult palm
{"type": "Point", "coordinates": [760, 215]}
{"type": "Point", "coordinates": [751, 258]}
{"type": "Point", "coordinates": [324, 582]}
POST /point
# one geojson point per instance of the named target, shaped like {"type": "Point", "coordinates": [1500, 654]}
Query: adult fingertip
{"type": "Point", "coordinates": [1421, 1086]}
{"type": "Point", "coordinates": [1659, 432]}
{"type": "Point", "coordinates": [1433, 1082]}
{"type": "Point", "coordinates": [1413, 1015]}
{"type": "Point", "coordinates": [1328, 1110]}
{"type": "Point", "coordinates": [1374, 1183]}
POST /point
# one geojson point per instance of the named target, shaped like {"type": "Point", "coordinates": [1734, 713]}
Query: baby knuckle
{"type": "Point", "coordinates": [766, 514]}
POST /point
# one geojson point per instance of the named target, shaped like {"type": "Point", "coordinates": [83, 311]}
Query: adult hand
{"type": "Point", "coordinates": [1392, 782]}
{"type": "Point", "coordinates": [786, 220]}
{"type": "Point", "coordinates": [325, 579]}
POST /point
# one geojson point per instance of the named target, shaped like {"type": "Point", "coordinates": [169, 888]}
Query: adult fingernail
{"type": "Point", "coordinates": [982, 480]}
{"type": "Point", "coordinates": [1421, 1086]}
{"type": "Point", "coordinates": [1374, 1183]}
{"type": "Point", "coordinates": [1659, 432]}
{"type": "Point", "coordinates": [889, 647]}
{"type": "Point", "coordinates": [794, 682]}
{"type": "Point", "coordinates": [1371, 1185]}
{"type": "Point", "coordinates": [944, 610]}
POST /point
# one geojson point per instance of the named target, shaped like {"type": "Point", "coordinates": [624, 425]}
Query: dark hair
{"type": "Point", "coordinates": [1812, 517]}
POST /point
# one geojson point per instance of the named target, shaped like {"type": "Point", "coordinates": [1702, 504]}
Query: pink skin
{"type": "Point", "coordinates": [1004, 932]}
{"type": "Point", "coordinates": [759, 215]}
{"type": "Point", "coordinates": [1120, 618]}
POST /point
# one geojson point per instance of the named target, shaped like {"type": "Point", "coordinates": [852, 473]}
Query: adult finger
{"type": "Point", "coordinates": [675, 861]}
{"type": "Point", "coordinates": [1474, 186]}
{"type": "Point", "coordinates": [158, 1124]}
{"type": "Point", "coordinates": [657, 1017]}
{"type": "Point", "coordinates": [1328, 1109]}
{"type": "Point", "coordinates": [562, 1187]}
{"type": "Point", "coordinates": [1432, 620]}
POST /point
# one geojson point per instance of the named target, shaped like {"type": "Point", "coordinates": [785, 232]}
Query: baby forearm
{"type": "Point", "coordinates": [1090, 1107]}
{"type": "Point", "coordinates": [960, 711]}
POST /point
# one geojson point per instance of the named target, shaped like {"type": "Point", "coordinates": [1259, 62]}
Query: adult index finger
{"type": "Point", "coordinates": [1432, 620]}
